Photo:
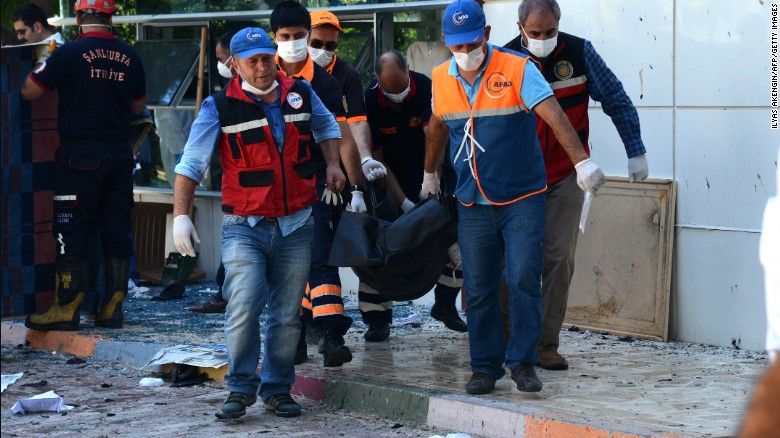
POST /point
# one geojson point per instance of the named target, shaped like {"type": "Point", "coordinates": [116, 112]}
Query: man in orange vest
{"type": "Point", "coordinates": [482, 103]}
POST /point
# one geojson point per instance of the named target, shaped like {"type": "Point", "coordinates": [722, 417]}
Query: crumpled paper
{"type": "Point", "coordinates": [9, 379]}
{"type": "Point", "coordinates": [46, 402]}
{"type": "Point", "coordinates": [414, 320]}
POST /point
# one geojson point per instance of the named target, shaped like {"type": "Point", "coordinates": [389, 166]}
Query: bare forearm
{"type": "Point", "coordinates": [349, 155]}
{"type": "Point", "coordinates": [438, 134]}
{"type": "Point", "coordinates": [183, 192]}
{"type": "Point", "coordinates": [330, 150]}
{"type": "Point", "coordinates": [550, 111]}
{"type": "Point", "coordinates": [362, 134]}
{"type": "Point", "coordinates": [391, 180]}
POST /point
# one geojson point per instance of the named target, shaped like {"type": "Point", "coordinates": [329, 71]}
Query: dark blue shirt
{"type": "Point", "coordinates": [97, 78]}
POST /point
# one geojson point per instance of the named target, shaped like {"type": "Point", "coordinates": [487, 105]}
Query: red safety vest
{"type": "Point", "coordinates": [258, 179]}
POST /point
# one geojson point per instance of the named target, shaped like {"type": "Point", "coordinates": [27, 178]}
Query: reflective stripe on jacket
{"type": "Point", "coordinates": [258, 179]}
{"type": "Point", "coordinates": [511, 166]}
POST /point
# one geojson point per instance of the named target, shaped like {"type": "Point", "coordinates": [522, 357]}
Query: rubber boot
{"type": "Point", "coordinates": [444, 308]}
{"type": "Point", "coordinates": [335, 353]}
{"type": "Point", "coordinates": [69, 290]}
{"type": "Point", "coordinates": [117, 273]}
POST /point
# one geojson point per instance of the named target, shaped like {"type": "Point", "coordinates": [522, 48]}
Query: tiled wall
{"type": "Point", "coordinates": [699, 73]}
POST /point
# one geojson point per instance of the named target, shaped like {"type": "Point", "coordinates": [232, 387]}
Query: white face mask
{"type": "Point", "coordinates": [541, 48]}
{"type": "Point", "coordinates": [321, 56]}
{"type": "Point", "coordinates": [224, 70]}
{"type": "Point", "coordinates": [398, 98]}
{"type": "Point", "coordinates": [470, 61]}
{"type": "Point", "coordinates": [292, 51]}
{"type": "Point", "coordinates": [246, 86]}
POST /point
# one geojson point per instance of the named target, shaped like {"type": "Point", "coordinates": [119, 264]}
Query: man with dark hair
{"type": "Point", "coordinates": [576, 73]}
{"type": "Point", "coordinates": [290, 25]}
{"type": "Point", "coordinates": [100, 82]}
{"type": "Point", "coordinates": [399, 108]}
{"type": "Point", "coordinates": [261, 124]}
{"type": "Point", "coordinates": [31, 26]}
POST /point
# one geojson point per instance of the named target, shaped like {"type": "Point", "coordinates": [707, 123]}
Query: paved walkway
{"type": "Point", "coordinates": [615, 387]}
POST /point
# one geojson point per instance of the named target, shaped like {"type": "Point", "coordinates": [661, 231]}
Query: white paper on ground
{"type": "Point", "coordinates": [209, 357]}
{"type": "Point", "coordinates": [46, 402]}
{"type": "Point", "coordinates": [585, 211]}
{"type": "Point", "coordinates": [151, 381]}
{"type": "Point", "coordinates": [9, 379]}
{"type": "Point", "coordinates": [414, 318]}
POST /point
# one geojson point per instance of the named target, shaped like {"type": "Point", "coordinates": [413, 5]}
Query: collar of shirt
{"type": "Point", "coordinates": [471, 90]}
{"type": "Point", "coordinates": [307, 72]}
{"type": "Point", "coordinates": [385, 102]}
{"type": "Point", "coordinates": [104, 35]}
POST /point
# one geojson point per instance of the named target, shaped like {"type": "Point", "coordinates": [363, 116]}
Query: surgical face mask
{"type": "Point", "coordinates": [398, 98]}
{"type": "Point", "coordinates": [470, 61]}
{"type": "Point", "coordinates": [224, 70]}
{"type": "Point", "coordinates": [321, 56]}
{"type": "Point", "coordinates": [292, 51]}
{"type": "Point", "coordinates": [541, 48]}
{"type": "Point", "coordinates": [246, 86]}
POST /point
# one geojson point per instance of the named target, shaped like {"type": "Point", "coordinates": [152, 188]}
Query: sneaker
{"type": "Point", "coordinates": [480, 383]}
{"type": "Point", "coordinates": [449, 316]}
{"type": "Point", "coordinates": [525, 377]}
{"type": "Point", "coordinates": [283, 405]}
{"type": "Point", "coordinates": [549, 359]}
{"type": "Point", "coordinates": [377, 332]}
{"type": "Point", "coordinates": [235, 405]}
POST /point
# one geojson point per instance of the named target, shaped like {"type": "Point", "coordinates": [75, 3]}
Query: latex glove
{"type": "Point", "coordinates": [358, 205]}
{"type": "Point", "coordinates": [372, 168]}
{"type": "Point", "coordinates": [42, 53]}
{"type": "Point", "coordinates": [407, 205]}
{"type": "Point", "coordinates": [637, 168]}
{"type": "Point", "coordinates": [589, 176]}
{"type": "Point", "coordinates": [430, 185]}
{"type": "Point", "coordinates": [184, 234]}
{"type": "Point", "coordinates": [332, 198]}
{"type": "Point", "coordinates": [454, 258]}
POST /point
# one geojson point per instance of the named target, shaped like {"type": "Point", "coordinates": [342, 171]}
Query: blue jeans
{"type": "Point", "coordinates": [262, 267]}
{"type": "Point", "coordinates": [487, 234]}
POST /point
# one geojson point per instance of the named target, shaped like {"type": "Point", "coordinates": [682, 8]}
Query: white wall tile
{"type": "Point", "coordinates": [718, 292]}
{"type": "Point", "coordinates": [722, 52]}
{"type": "Point", "coordinates": [725, 166]}
{"type": "Point", "coordinates": [608, 152]}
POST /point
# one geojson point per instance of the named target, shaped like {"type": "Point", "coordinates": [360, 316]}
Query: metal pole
{"type": "Point", "coordinates": [204, 39]}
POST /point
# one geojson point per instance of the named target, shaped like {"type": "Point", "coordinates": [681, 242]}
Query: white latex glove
{"type": "Point", "coordinates": [430, 185]}
{"type": "Point", "coordinates": [184, 234]}
{"type": "Point", "coordinates": [358, 205]}
{"type": "Point", "coordinates": [372, 168]}
{"type": "Point", "coordinates": [589, 176]}
{"type": "Point", "coordinates": [332, 198]}
{"type": "Point", "coordinates": [637, 168]}
{"type": "Point", "coordinates": [42, 53]}
{"type": "Point", "coordinates": [407, 205]}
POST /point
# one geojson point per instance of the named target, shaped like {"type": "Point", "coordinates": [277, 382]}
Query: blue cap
{"type": "Point", "coordinates": [463, 23]}
{"type": "Point", "coordinates": [251, 41]}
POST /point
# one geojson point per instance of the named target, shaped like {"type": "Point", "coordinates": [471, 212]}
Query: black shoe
{"type": "Point", "coordinates": [449, 316]}
{"type": "Point", "coordinates": [283, 405]}
{"type": "Point", "coordinates": [377, 332]}
{"type": "Point", "coordinates": [525, 377]}
{"type": "Point", "coordinates": [301, 355]}
{"type": "Point", "coordinates": [235, 405]}
{"type": "Point", "coordinates": [335, 353]}
{"type": "Point", "coordinates": [480, 383]}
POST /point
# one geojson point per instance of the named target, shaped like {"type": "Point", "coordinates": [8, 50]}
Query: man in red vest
{"type": "Point", "coordinates": [575, 73]}
{"type": "Point", "coordinates": [262, 124]}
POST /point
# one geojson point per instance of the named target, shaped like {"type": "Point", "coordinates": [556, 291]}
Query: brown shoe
{"type": "Point", "coordinates": [480, 383]}
{"type": "Point", "coordinates": [525, 377]}
{"type": "Point", "coordinates": [549, 359]}
{"type": "Point", "coordinates": [213, 305]}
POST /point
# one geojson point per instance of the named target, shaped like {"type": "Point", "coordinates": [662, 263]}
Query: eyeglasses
{"type": "Point", "coordinates": [22, 31]}
{"type": "Point", "coordinates": [318, 44]}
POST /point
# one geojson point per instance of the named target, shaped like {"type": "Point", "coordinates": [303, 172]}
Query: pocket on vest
{"type": "Point", "coordinates": [256, 178]}
{"type": "Point", "coordinates": [304, 170]}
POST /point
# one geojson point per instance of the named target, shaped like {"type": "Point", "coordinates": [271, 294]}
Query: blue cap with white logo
{"type": "Point", "coordinates": [463, 23]}
{"type": "Point", "coordinates": [251, 41]}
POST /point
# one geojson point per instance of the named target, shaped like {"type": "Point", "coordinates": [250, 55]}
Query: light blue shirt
{"type": "Point", "coordinates": [205, 132]}
{"type": "Point", "coordinates": [533, 90]}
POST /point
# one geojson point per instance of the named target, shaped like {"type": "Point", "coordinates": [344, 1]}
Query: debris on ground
{"type": "Point", "coordinates": [9, 379]}
{"type": "Point", "coordinates": [46, 402]}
